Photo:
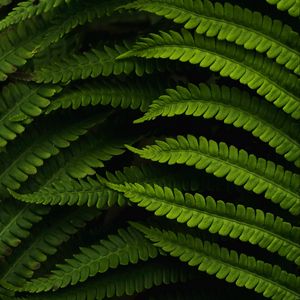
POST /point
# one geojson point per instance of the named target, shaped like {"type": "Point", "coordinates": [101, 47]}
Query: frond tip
{"type": "Point", "coordinates": [237, 166]}
{"type": "Point", "coordinates": [243, 270]}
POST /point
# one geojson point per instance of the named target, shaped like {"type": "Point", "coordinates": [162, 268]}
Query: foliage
{"type": "Point", "coordinates": [149, 149]}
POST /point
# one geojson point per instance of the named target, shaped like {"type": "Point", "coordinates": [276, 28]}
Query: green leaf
{"type": "Point", "coordinates": [254, 174]}
{"type": "Point", "coordinates": [270, 80]}
{"type": "Point", "coordinates": [244, 271]}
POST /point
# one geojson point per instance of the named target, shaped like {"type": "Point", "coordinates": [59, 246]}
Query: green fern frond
{"type": "Point", "coordinates": [24, 157]}
{"type": "Point", "coordinates": [270, 80]}
{"type": "Point", "coordinates": [93, 64]}
{"type": "Point", "coordinates": [5, 2]}
{"type": "Point", "coordinates": [19, 104]}
{"type": "Point", "coordinates": [254, 174]}
{"type": "Point", "coordinates": [128, 246]}
{"type": "Point", "coordinates": [67, 191]}
{"type": "Point", "coordinates": [256, 31]}
{"type": "Point", "coordinates": [134, 94]}
{"type": "Point", "coordinates": [226, 219]}
{"type": "Point", "coordinates": [16, 221]}
{"type": "Point", "coordinates": [235, 107]}
{"type": "Point", "coordinates": [35, 35]}
{"type": "Point", "coordinates": [28, 9]}
{"type": "Point", "coordinates": [243, 270]}
{"type": "Point", "coordinates": [292, 6]}
{"type": "Point", "coordinates": [127, 280]}
{"type": "Point", "coordinates": [28, 258]}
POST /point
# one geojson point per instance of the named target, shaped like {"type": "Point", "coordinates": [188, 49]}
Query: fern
{"type": "Point", "coordinates": [243, 270]}
{"type": "Point", "coordinates": [128, 246]}
{"type": "Point", "coordinates": [15, 223]}
{"type": "Point", "coordinates": [274, 83]}
{"type": "Point", "coordinates": [126, 281]}
{"type": "Point", "coordinates": [237, 166]}
{"type": "Point", "coordinates": [224, 21]}
{"type": "Point", "coordinates": [27, 9]}
{"type": "Point", "coordinates": [134, 95]}
{"type": "Point", "coordinates": [27, 259]}
{"type": "Point", "coordinates": [292, 6]}
{"type": "Point", "coordinates": [19, 105]}
{"type": "Point", "coordinates": [93, 64]}
{"type": "Point", "coordinates": [232, 107]}
{"type": "Point", "coordinates": [67, 191]}
{"type": "Point", "coordinates": [23, 160]}
{"type": "Point", "coordinates": [219, 217]}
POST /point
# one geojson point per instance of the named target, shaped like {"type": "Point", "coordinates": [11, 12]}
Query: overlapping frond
{"type": "Point", "coordinates": [224, 218]}
{"type": "Point", "coordinates": [235, 107]}
{"type": "Point", "coordinates": [126, 247]}
{"type": "Point", "coordinates": [292, 6]}
{"type": "Point", "coordinates": [67, 191]}
{"type": "Point", "coordinates": [19, 104]}
{"type": "Point", "coordinates": [223, 21]}
{"type": "Point", "coordinates": [237, 166]}
{"type": "Point", "coordinates": [28, 258]}
{"type": "Point", "coordinates": [127, 280]}
{"type": "Point", "coordinates": [27, 9]}
{"type": "Point", "coordinates": [270, 80]}
{"type": "Point", "coordinates": [28, 153]}
{"type": "Point", "coordinates": [243, 270]}
{"type": "Point", "coordinates": [34, 35]}
{"type": "Point", "coordinates": [134, 94]}
{"type": "Point", "coordinates": [94, 63]}
{"type": "Point", "coordinates": [16, 220]}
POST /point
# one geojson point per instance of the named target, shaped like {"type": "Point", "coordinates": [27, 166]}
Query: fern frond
{"type": "Point", "coordinates": [254, 174]}
{"type": "Point", "coordinates": [93, 64]}
{"type": "Point", "coordinates": [127, 280]}
{"type": "Point", "coordinates": [16, 221]}
{"type": "Point", "coordinates": [235, 107]}
{"type": "Point", "coordinates": [19, 105]}
{"type": "Point", "coordinates": [270, 80]}
{"type": "Point", "coordinates": [67, 191]}
{"type": "Point", "coordinates": [35, 35]}
{"type": "Point", "coordinates": [134, 94]}
{"type": "Point", "coordinates": [26, 155]}
{"type": "Point", "coordinates": [226, 219]}
{"type": "Point", "coordinates": [292, 6]}
{"type": "Point", "coordinates": [28, 9]}
{"type": "Point", "coordinates": [28, 258]}
{"type": "Point", "coordinates": [128, 246]}
{"type": "Point", "coordinates": [243, 270]}
{"type": "Point", "coordinates": [256, 31]}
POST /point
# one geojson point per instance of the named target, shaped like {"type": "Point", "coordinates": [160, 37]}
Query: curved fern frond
{"type": "Point", "coordinates": [16, 221]}
{"type": "Point", "coordinates": [35, 35]}
{"type": "Point", "coordinates": [93, 64]}
{"type": "Point", "coordinates": [226, 219]}
{"type": "Point", "coordinates": [128, 246]}
{"type": "Point", "coordinates": [19, 104]}
{"type": "Point", "coordinates": [127, 280]}
{"type": "Point", "coordinates": [134, 94]}
{"type": "Point", "coordinates": [254, 174]}
{"type": "Point", "coordinates": [67, 191]}
{"type": "Point", "coordinates": [28, 258]}
{"type": "Point", "coordinates": [270, 80]}
{"type": "Point", "coordinates": [235, 107]}
{"type": "Point", "coordinates": [24, 157]}
{"type": "Point", "coordinates": [28, 9]}
{"type": "Point", "coordinates": [292, 6]}
{"type": "Point", "coordinates": [256, 31]}
{"type": "Point", "coordinates": [243, 270]}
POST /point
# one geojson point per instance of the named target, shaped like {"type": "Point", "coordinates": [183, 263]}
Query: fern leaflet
{"type": "Point", "coordinates": [232, 107]}
{"type": "Point", "coordinates": [224, 22]}
{"type": "Point", "coordinates": [243, 270]}
{"type": "Point", "coordinates": [292, 6]}
{"type": "Point", "coordinates": [276, 84]}
{"type": "Point", "coordinates": [237, 166]}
